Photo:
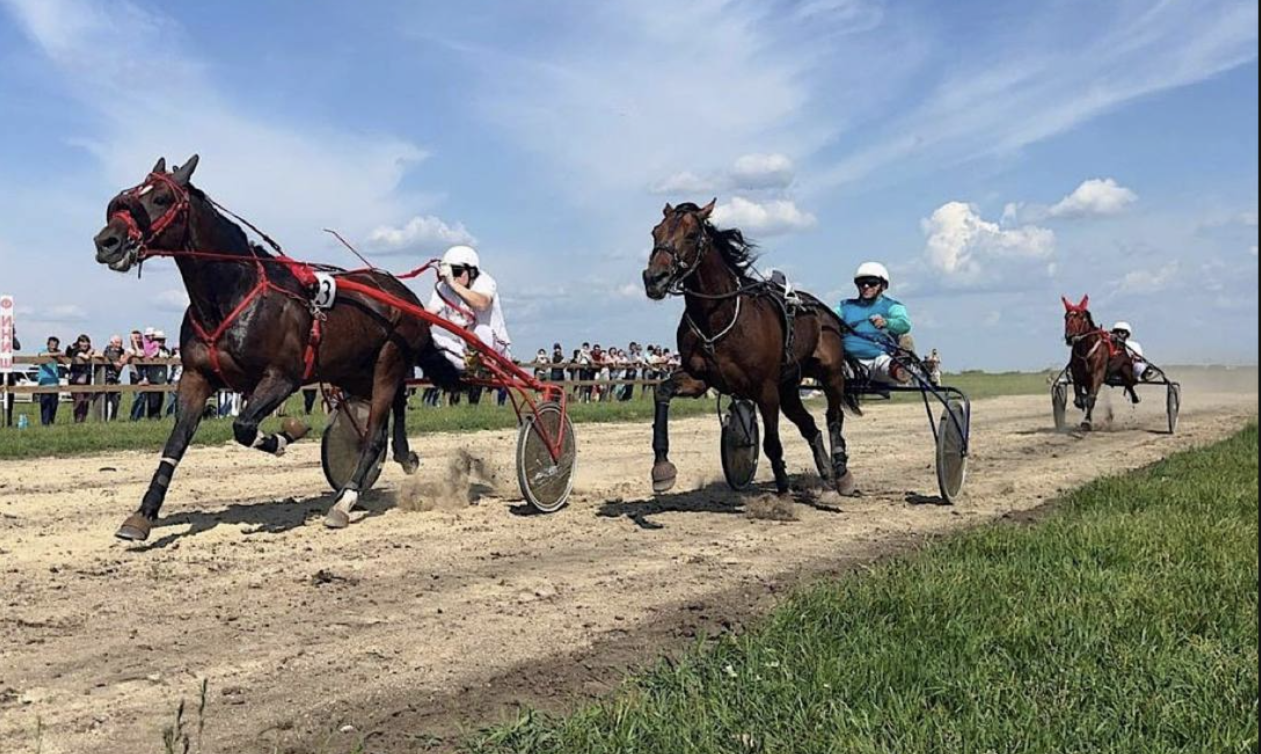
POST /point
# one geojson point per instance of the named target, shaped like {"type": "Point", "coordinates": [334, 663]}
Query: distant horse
{"type": "Point", "coordinates": [1096, 359]}
{"type": "Point", "coordinates": [740, 337]}
{"type": "Point", "coordinates": [251, 327]}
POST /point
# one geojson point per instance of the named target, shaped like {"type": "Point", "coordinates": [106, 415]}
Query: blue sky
{"type": "Point", "coordinates": [995, 155]}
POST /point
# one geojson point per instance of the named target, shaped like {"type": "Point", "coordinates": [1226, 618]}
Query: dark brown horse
{"type": "Point", "coordinates": [250, 327]}
{"type": "Point", "coordinates": [732, 339]}
{"type": "Point", "coordinates": [1096, 359]}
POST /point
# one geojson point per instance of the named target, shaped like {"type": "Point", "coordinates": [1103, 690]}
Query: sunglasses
{"type": "Point", "coordinates": [459, 269]}
{"type": "Point", "coordinates": [869, 282]}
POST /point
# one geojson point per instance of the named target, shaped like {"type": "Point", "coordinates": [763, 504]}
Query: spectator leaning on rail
{"type": "Point", "coordinates": [468, 297]}
{"type": "Point", "coordinates": [876, 322]}
{"type": "Point", "coordinates": [50, 376]}
{"type": "Point", "coordinates": [115, 358]}
{"type": "Point", "coordinates": [80, 354]}
{"type": "Point", "coordinates": [158, 374]}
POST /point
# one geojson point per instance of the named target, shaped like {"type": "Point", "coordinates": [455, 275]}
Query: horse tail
{"type": "Point", "coordinates": [437, 369]}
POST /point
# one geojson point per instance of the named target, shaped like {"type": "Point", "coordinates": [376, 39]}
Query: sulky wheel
{"type": "Point", "coordinates": [1173, 405]}
{"type": "Point", "coordinates": [343, 439]}
{"type": "Point", "coordinates": [1059, 405]}
{"type": "Point", "coordinates": [740, 445]}
{"type": "Point", "coordinates": [952, 451]}
{"type": "Point", "coordinates": [546, 481]}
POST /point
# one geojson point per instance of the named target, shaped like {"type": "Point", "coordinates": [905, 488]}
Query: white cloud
{"type": "Point", "coordinates": [762, 171]}
{"type": "Point", "coordinates": [172, 300]}
{"type": "Point", "coordinates": [287, 178]}
{"type": "Point", "coordinates": [769, 218]}
{"type": "Point", "coordinates": [1142, 282]}
{"type": "Point", "coordinates": [1253, 250]}
{"type": "Point", "coordinates": [970, 251]}
{"type": "Point", "coordinates": [687, 183]}
{"type": "Point", "coordinates": [1248, 219]}
{"type": "Point", "coordinates": [1094, 197]}
{"type": "Point", "coordinates": [426, 234]}
{"type": "Point", "coordinates": [62, 313]}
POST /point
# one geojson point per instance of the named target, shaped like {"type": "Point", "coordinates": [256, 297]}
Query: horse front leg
{"type": "Point", "coordinates": [194, 390]}
{"type": "Point", "coordinates": [795, 410]}
{"type": "Point", "coordinates": [768, 405]}
{"type": "Point", "coordinates": [268, 395]}
{"type": "Point", "coordinates": [679, 384]}
{"type": "Point", "coordinates": [387, 384]}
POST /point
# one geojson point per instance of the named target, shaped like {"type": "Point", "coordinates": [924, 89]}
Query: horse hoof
{"type": "Point", "coordinates": [410, 463]}
{"type": "Point", "coordinates": [295, 428]}
{"type": "Point", "coordinates": [337, 519]}
{"type": "Point", "coordinates": [135, 529]}
{"type": "Point", "coordinates": [664, 475]}
{"type": "Point", "coordinates": [847, 485]}
{"type": "Point", "coordinates": [1086, 426]}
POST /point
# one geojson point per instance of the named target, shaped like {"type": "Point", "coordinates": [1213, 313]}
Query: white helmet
{"type": "Point", "coordinates": [1123, 327]}
{"type": "Point", "coordinates": [872, 270]}
{"type": "Point", "coordinates": [461, 256]}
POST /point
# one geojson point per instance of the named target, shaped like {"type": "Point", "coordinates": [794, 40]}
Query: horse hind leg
{"type": "Point", "coordinates": [387, 384]}
{"type": "Point", "coordinates": [403, 455]}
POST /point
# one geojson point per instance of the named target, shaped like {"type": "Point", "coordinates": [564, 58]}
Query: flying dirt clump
{"type": "Point", "coordinates": [467, 479]}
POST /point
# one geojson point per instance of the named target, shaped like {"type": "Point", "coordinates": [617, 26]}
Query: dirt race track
{"type": "Point", "coordinates": [433, 614]}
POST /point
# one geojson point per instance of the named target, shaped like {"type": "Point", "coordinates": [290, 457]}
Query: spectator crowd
{"type": "Point", "coordinates": [595, 374]}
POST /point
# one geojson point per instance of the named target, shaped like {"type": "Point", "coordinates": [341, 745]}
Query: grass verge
{"type": "Point", "coordinates": [1124, 622]}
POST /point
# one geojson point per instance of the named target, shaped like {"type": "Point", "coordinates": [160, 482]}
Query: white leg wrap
{"type": "Point", "coordinates": [172, 462]}
{"type": "Point", "coordinates": [346, 501]}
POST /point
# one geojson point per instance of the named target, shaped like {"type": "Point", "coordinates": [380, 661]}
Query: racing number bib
{"type": "Point", "coordinates": [325, 291]}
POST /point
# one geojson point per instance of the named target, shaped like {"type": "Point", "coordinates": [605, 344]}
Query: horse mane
{"type": "Point", "coordinates": [738, 252]}
{"type": "Point", "coordinates": [280, 273]}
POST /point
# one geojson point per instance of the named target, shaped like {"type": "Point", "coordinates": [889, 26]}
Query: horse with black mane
{"type": "Point", "coordinates": [741, 337]}
{"type": "Point", "coordinates": [1096, 359]}
{"type": "Point", "coordinates": [251, 327]}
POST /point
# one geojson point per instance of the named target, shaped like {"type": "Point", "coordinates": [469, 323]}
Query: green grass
{"type": "Point", "coordinates": [1125, 622]}
{"type": "Point", "coordinates": [67, 439]}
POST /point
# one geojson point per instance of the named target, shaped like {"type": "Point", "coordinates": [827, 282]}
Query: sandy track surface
{"type": "Point", "coordinates": [431, 612]}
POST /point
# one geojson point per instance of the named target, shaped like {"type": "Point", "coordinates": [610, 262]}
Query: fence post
{"type": "Point", "coordinates": [99, 401]}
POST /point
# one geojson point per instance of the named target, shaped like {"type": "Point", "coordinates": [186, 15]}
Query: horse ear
{"type": "Point", "coordinates": [668, 210]}
{"type": "Point", "coordinates": [1068, 306]}
{"type": "Point", "coordinates": [184, 172]}
{"type": "Point", "coordinates": [159, 166]}
{"type": "Point", "coordinates": [708, 209]}
{"type": "Point", "coordinates": [1085, 301]}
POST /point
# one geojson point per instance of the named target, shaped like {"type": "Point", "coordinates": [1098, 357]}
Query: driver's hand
{"type": "Point", "coordinates": [878, 321]}
{"type": "Point", "coordinates": [445, 273]}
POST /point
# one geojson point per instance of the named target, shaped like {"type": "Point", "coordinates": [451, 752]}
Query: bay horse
{"type": "Point", "coordinates": [1096, 359]}
{"type": "Point", "coordinates": [733, 338]}
{"type": "Point", "coordinates": [251, 327]}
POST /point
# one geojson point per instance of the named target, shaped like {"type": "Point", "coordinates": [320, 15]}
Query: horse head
{"type": "Point", "coordinates": [678, 246]}
{"type": "Point", "coordinates": [154, 214]}
{"type": "Point", "coordinates": [1077, 319]}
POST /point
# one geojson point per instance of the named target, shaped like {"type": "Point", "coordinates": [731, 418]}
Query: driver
{"type": "Point", "coordinates": [469, 298]}
{"type": "Point", "coordinates": [1123, 333]}
{"type": "Point", "coordinates": [876, 321]}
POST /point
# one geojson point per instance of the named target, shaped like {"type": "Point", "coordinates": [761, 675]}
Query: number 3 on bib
{"type": "Point", "coordinates": [325, 290]}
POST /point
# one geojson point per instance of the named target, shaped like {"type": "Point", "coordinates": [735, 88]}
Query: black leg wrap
{"type": "Point", "coordinates": [781, 476]}
{"type": "Point", "coordinates": [820, 451]}
{"type": "Point", "coordinates": [840, 456]}
{"type": "Point", "coordinates": [661, 431]}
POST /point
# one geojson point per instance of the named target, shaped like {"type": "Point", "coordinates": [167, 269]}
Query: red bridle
{"type": "Point", "coordinates": [126, 217]}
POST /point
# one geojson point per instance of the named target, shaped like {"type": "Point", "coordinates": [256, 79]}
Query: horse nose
{"type": "Point", "coordinates": [107, 242]}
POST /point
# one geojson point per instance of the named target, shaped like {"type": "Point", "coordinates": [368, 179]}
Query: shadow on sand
{"type": "Point", "coordinates": [266, 517]}
{"type": "Point", "coordinates": [715, 498]}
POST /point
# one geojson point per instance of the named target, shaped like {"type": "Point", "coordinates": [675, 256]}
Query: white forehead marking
{"type": "Point", "coordinates": [145, 190]}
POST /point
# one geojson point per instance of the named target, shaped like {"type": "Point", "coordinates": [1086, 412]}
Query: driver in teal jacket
{"type": "Point", "coordinates": [876, 323]}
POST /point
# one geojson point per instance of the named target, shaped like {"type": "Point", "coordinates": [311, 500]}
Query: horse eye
{"type": "Point", "coordinates": [162, 200]}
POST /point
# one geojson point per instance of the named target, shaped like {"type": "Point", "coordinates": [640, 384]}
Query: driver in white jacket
{"type": "Point", "coordinates": [1123, 333]}
{"type": "Point", "coordinates": [469, 298]}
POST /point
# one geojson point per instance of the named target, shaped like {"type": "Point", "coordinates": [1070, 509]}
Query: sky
{"type": "Point", "coordinates": [994, 155]}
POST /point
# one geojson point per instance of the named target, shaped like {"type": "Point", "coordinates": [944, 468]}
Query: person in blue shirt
{"type": "Point", "coordinates": [877, 323]}
{"type": "Point", "coordinates": [50, 375]}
